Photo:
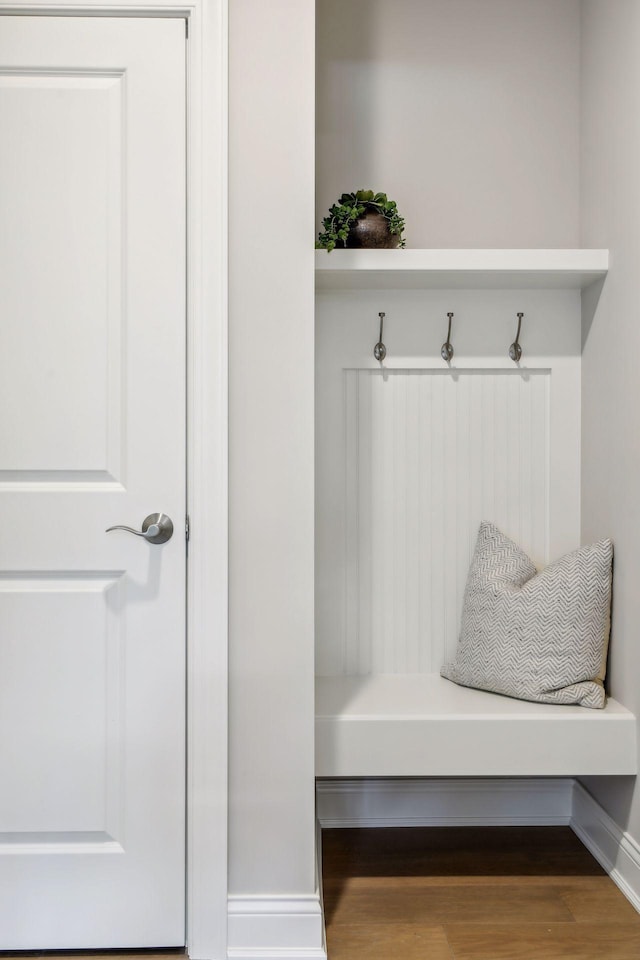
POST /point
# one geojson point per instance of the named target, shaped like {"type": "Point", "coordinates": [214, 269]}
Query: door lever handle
{"type": "Point", "coordinates": [156, 528]}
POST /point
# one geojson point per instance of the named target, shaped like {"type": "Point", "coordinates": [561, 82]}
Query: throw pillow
{"type": "Point", "coordinates": [535, 636]}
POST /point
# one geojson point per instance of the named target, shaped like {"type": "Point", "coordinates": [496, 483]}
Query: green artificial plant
{"type": "Point", "coordinates": [343, 214]}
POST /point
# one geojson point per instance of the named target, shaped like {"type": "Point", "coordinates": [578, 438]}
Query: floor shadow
{"type": "Point", "coordinates": [450, 852]}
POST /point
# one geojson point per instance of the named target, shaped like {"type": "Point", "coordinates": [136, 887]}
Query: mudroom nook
{"type": "Point", "coordinates": [456, 382]}
{"type": "Point", "coordinates": [412, 454]}
{"type": "Point", "coordinates": [413, 451]}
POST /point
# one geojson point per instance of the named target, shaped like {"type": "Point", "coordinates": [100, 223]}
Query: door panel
{"type": "Point", "coordinates": [81, 192]}
{"type": "Point", "coordinates": [39, 680]}
{"type": "Point", "coordinates": [92, 434]}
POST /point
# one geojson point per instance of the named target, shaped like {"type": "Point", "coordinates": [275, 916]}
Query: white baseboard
{"type": "Point", "coordinates": [319, 881]}
{"type": "Point", "coordinates": [615, 850]}
{"type": "Point", "coordinates": [278, 928]}
{"type": "Point", "coordinates": [275, 953]}
{"type": "Point", "coordinates": [444, 803]}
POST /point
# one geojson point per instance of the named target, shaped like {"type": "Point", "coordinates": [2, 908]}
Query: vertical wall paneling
{"type": "Point", "coordinates": [413, 508]}
{"type": "Point", "coordinates": [413, 455]}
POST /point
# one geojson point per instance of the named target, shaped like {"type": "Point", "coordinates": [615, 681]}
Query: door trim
{"type": "Point", "coordinates": [207, 458]}
{"type": "Point", "coordinates": [207, 493]}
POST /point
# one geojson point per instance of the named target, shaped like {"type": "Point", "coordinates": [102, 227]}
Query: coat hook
{"type": "Point", "coordinates": [380, 351]}
{"type": "Point", "coordinates": [446, 351]}
{"type": "Point", "coordinates": [515, 350]}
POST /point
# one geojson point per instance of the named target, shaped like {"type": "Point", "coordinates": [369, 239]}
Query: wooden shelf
{"type": "Point", "coordinates": [449, 269]}
{"type": "Point", "coordinates": [409, 725]}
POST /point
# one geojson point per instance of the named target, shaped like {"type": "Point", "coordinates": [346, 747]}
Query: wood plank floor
{"type": "Point", "coordinates": [469, 893]}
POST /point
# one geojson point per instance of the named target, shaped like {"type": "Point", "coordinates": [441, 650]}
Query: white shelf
{"type": "Point", "coordinates": [471, 269]}
{"type": "Point", "coordinates": [408, 725]}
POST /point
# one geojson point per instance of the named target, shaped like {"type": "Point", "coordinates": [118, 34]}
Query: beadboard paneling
{"type": "Point", "coordinates": [412, 455]}
{"type": "Point", "coordinates": [428, 456]}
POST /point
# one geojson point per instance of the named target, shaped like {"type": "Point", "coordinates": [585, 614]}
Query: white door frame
{"type": "Point", "coordinates": [207, 460]}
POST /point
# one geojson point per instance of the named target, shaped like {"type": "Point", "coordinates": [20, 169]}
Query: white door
{"type": "Point", "coordinates": [92, 434]}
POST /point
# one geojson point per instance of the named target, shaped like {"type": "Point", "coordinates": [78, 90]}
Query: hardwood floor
{"type": "Point", "coordinates": [464, 893]}
{"type": "Point", "coordinates": [468, 893]}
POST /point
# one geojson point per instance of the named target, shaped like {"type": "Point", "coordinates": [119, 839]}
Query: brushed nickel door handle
{"type": "Point", "coordinates": [156, 528]}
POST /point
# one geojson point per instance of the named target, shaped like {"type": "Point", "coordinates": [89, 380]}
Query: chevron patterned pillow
{"type": "Point", "coordinates": [535, 636]}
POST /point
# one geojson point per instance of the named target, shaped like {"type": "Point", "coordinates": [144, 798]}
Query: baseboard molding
{"type": "Point", "coordinates": [615, 850]}
{"type": "Point", "coordinates": [276, 928]}
{"type": "Point", "coordinates": [276, 953]}
{"type": "Point", "coordinates": [319, 882]}
{"type": "Point", "coordinates": [444, 803]}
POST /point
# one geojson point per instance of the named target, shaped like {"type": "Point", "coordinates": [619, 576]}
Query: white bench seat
{"type": "Point", "coordinates": [420, 725]}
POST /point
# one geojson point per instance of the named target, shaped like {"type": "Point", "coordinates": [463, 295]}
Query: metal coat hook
{"type": "Point", "coordinates": [446, 351]}
{"type": "Point", "coordinates": [380, 351]}
{"type": "Point", "coordinates": [515, 350]}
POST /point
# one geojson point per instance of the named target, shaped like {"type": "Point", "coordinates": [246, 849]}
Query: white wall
{"type": "Point", "coordinates": [464, 111]}
{"type": "Point", "coordinates": [271, 333]}
{"type": "Point", "coordinates": [611, 385]}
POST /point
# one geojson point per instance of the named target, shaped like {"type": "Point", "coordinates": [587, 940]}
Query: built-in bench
{"type": "Point", "coordinates": [407, 725]}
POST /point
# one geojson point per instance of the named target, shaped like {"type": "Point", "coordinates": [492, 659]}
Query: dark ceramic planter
{"type": "Point", "coordinates": [371, 230]}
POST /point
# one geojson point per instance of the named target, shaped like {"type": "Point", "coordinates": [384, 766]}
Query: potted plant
{"type": "Point", "coordinates": [362, 219]}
